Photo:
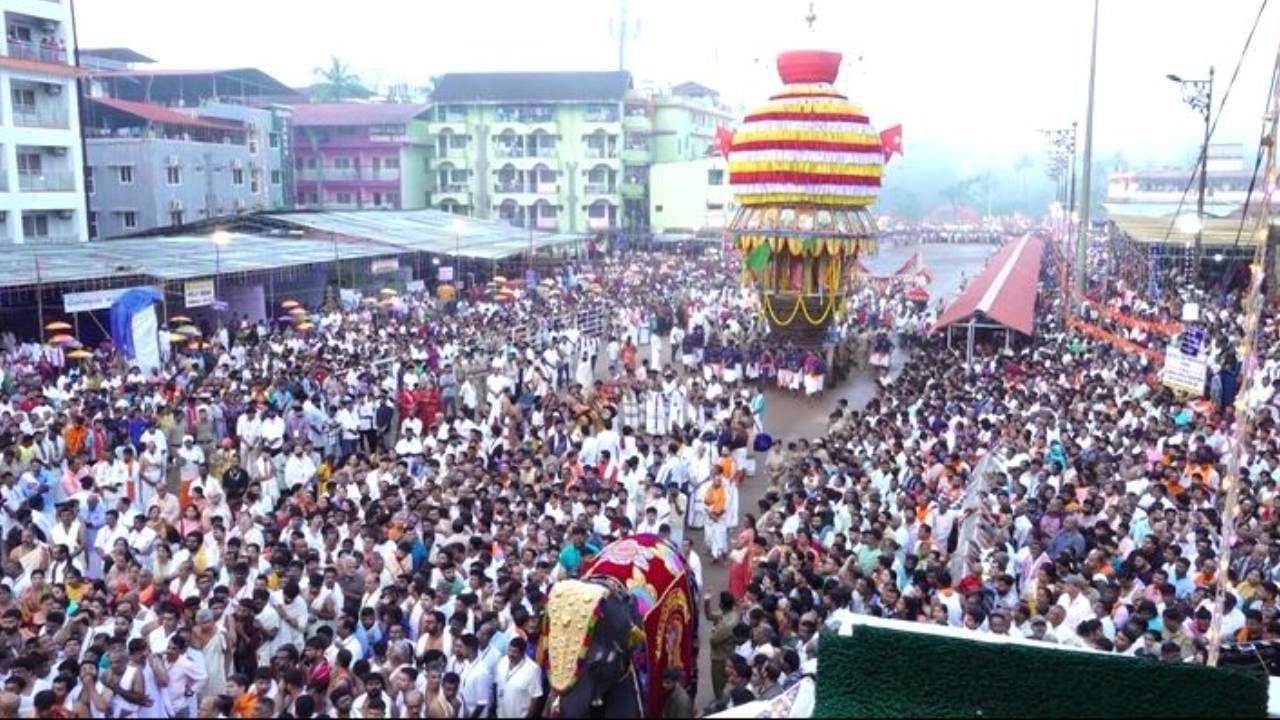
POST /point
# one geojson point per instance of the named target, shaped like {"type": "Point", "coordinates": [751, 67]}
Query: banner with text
{"type": "Point", "coordinates": [199, 293]}
{"type": "Point", "coordinates": [75, 302]}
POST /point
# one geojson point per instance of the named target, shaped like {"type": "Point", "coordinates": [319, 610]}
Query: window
{"type": "Point", "coordinates": [276, 177]}
{"type": "Point", "coordinates": [715, 206]}
{"type": "Point", "coordinates": [29, 163]}
{"type": "Point", "coordinates": [657, 208]}
{"type": "Point", "coordinates": [35, 225]}
{"type": "Point", "coordinates": [93, 225]}
{"type": "Point", "coordinates": [345, 130]}
{"type": "Point", "coordinates": [175, 218]}
{"type": "Point", "coordinates": [20, 32]}
{"type": "Point", "coordinates": [273, 140]}
{"type": "Point", "coordinates": [391, 163]}
{"type": "Point", "coordinates": [24, 99]}
{"type": "Point", "coordinates": [715, 177]}
{"type": "Point", "coordinates": [344, 198]}
{"type": "Point", "coordinates": [377, 198]}
{"type": "Point", "coordinates": [129, 219]}
{"type": "Point", "coordinates": [237, 176]}
{"type": "Point", "coordinates": [126, 174]}
{"type": "Point", "coordinates": [88, 179]}
{"type": "Point", "coordinates": [342, 163]}
{"type": "Point", "coordinates": [254, 184]}
{"type": "Point", "coordinates": [253, 146]}
{"type": "Point", "coordinates": [311, 163]}
{"type": "Point", "coordinates": [457, 140]}
{"type": "Point", "coordinates": [173, 174]}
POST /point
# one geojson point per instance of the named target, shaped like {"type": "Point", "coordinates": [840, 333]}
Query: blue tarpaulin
{"type": "Point", "coordinates": [122, 312]}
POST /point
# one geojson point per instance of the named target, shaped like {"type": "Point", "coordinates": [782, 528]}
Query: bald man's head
{"type": "Point", "coordinates": [9, 703]}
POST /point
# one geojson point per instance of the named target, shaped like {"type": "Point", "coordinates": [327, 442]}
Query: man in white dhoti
{"type": "Point", "coordinates": [716, 500]}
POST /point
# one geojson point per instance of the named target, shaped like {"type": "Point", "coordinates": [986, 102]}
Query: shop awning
{"type": "Point", "coordinates": [1005, 291]}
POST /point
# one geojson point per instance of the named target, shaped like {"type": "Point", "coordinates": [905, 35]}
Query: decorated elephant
{"type": "Point", "coordinates": [609, 637]}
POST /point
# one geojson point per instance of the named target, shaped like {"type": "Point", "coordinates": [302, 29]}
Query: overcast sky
{"type": "Point", "coordinates": [970, 80]}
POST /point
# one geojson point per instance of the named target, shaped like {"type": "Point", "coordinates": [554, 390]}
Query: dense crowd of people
{"type": "Point", "coordinates": [364, 520]}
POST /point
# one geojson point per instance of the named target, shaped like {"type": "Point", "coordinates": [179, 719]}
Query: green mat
{"type": "Point", "coordinates": [880, 672]}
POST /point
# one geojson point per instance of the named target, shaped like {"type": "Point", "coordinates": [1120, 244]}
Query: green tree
{"type": "Point", "coordinates": [337, 83]}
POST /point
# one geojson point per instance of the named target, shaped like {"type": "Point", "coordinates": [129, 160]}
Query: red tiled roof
{"type": "Point", "coordinates": [1005, 290]}
{"type": "Point", "coordinates": [163, 115]}
{"type": "Point", "coordinates": [330, 114]}
{"type": "Point", "coordinates": [37, 66]}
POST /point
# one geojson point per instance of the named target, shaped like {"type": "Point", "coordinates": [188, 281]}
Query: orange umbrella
{"type": "Point", "coordinates": [177, 319]}
{"type": "Point", "coordinates": [79, 354]}
{"type": "Point", "coordinates": [58, 325]}
{"type": "Point", "coordinates": [61, 339]}
{"type": "Point", "coordinates": [289, 304]}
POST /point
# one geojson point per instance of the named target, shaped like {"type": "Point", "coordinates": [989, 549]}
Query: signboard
{"type": "Point", "coordinates": [445, 273]}
{"type": "Point", "coordinates": [1184, 373]}
{"type": "Point", "coordinates": [348, 297]}
{"type": "Point", "coordinates": [382, 266]}
{"type": "Point", "coordinates": [591, 322]}
{"type": "Point", "coordinates": [416, 286]}
{"type": "Point", "coordinates": [92, 300]}
{"type": "Point", "coordinates": [199, 293]}
{"type": "Point", "coordinates": [1192, 339]}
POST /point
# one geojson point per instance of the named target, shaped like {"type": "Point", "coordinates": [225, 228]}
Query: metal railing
{"type": "Point", "coordinates": [24, 50]}
{"type": "Point", "coordinates": [601, 153]}
{"type": "Point", "coordinates": [46, 116]}
{"type": "Point", "coordinates": [599, 189]}
{"type": "Point", "coordinates": [455, 187]}
{"type": "Point", "coordinates": [51, 181]}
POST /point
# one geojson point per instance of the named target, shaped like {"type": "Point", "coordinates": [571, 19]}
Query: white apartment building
{"type": "Point", "coordinates": [42, 197]}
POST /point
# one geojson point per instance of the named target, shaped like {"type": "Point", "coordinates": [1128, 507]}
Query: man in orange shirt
{"type": "Point", "coordinates": [74, 436]}
{"type": "Point", "coordinates": [716, 499]}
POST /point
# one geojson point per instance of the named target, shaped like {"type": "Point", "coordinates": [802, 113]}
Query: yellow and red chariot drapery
{"type": "Point", "coordinates": [805, 168]}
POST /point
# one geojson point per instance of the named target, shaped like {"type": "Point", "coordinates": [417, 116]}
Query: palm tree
{"type": "Point", "coordinates": [337, 82]}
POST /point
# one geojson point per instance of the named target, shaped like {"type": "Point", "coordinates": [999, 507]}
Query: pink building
{"type": "Point", "coordinates": [353, 156]}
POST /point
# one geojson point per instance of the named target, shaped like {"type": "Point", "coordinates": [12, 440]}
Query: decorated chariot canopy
{"type": "Point", "coordinates": [806, 167]}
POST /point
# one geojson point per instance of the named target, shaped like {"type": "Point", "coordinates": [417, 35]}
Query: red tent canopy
{"type": "Point", "coordinates": [1005, 290]}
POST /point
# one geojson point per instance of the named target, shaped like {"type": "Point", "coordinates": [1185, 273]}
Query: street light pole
{"type": "Point", "coordinates": [219, 238]}
{"type": "Point", "coordinates": [1198, 95]}
{"type": "Point", "coordinates": [1082, 242]}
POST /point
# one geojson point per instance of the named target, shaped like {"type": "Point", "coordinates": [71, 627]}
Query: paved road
{"type": "Point", "coordinates": [789, 415]}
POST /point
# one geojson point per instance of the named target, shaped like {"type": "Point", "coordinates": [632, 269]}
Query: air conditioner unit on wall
{"type": "Point", "coordinates": [57, 151]}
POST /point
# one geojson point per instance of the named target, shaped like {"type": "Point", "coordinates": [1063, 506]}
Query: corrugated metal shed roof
{"type": "Point", "coordinates": [1005, 290]}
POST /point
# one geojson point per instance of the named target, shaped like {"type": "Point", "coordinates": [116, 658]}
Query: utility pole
{"type": "Point", "coordinates": [1198, 94]}
{"type": "Point", "coordinates": [622, 35]}
{"type": "Point", "coordinates": [1082, 241]}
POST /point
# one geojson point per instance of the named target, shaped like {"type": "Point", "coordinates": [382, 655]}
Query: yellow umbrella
{"type": "Point", "coordinates": [387, 302]}
{"type": "Point", "coordinates": [499, 278]}
{"type": "Point", "coordinates": [289, 304]}
{"type": "Point", "coordinates": [79, 354]}
{"type": "Point", "coordinates": [297, 312]}
{"type": "Point", "coordinates": [188, 330]}
{"type": "Point", "coordinates": [176, 337]}
{"type": "Point", "coordinates": [61, 339]}
{"type": "Point", "coordinates": [58, 325]}
{"type": "Point", "coordinates": [180, 319]}
{"type": "Point", "coordinates": [388, 291]}
{"type": "Point", "coordinates": [196, 345]}
{"type": "Point", "coordinates": [305, 326]}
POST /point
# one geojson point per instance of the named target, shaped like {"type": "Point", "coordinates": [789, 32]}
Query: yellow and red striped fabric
{"type": "Point", "coordinates": [810, 145]}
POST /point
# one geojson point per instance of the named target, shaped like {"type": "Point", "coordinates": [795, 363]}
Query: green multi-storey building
{"type": "Point", "coordinates": [564, 151]}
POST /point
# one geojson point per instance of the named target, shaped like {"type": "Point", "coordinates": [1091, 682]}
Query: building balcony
{"type": "Point", "coordinates": [600, 188]}
{"type": "Point", "coordinates": [37, 52]}
{"type": "Point", "coordinates": [51, 181]}
{"type": "Point", "coordinates": [600, 223]}
{"type": "Point", "coordinates": [458, 157]}
{"type": "Point", "coordinates": [4, 180]}
{"type": "Point", "coordinates": [504, 152]}
{"type": "Point", "coordinates": [637, 123]}
{"type": "Point", "coordinates": [632, 190]}
{"type": "Point", "coordinates": [637, 156]}
{"type": "Point", "coordinates": [453, 188]}
{"type": "Point", "coordinates": [326, 174]}
{"type": "Point", "coordinates": [381, 175]}
{"type": "Point", "coordinates": [595, 153]}
{"type": "Point", "coordinates": [546, 189]}
{"type": "Point", "coordinates": [547, 223]}
{"type": "Point", "coordinates": [40, 116]}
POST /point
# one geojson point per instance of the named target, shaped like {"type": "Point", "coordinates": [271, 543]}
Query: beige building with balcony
{"type": "Point", "coordinates": [41, 179]}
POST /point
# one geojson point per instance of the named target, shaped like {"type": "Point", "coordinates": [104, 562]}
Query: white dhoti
{"type": "Point", "coordinates": [717, 532]}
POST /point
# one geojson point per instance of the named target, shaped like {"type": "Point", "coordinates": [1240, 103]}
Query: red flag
{"type": "Point", "coordinates": [891, 142]}
{"type": "Point", "coordinates": [724, 140]}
